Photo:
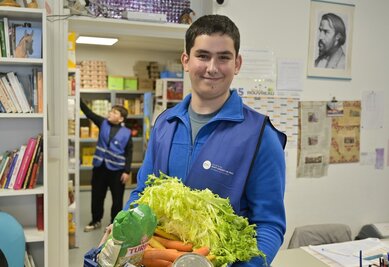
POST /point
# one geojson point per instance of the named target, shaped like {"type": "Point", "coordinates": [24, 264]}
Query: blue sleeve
{"type": "Point", "coordinates": [265, 196]}
{"type": "Point", "coordinates": [144, 171]}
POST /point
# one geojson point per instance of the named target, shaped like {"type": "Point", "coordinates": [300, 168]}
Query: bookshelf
{"type": "Point", "coordinates": [17, 128]}
{"type": "Point", "coordinates": [73, 156]}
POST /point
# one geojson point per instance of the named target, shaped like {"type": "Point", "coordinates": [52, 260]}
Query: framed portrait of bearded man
{"type": "Point", "coordinates": [330, 40]}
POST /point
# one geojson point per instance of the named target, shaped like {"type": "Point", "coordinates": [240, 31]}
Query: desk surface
{"type": "Point", "coordinates": [296, 257]}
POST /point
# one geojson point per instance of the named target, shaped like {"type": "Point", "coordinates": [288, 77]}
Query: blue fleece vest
{"type": "Point", "coordinates": [111, 151]}
{"type": "Point", "coordinates": [225, 159]}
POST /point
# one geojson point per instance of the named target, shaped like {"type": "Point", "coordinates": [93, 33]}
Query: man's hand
{"type": "Point", "coordinates": [125, 177]}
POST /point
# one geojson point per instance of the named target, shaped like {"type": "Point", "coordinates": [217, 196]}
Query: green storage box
{"type": "Point", "coordinates": [130, 83]}
{"type": "Point", "coordinates": [115, 82]}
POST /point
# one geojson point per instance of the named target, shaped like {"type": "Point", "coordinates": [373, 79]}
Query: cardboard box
{"type": "Point", "coordinates": [115, 82]}
{"type": "Point", "coordinates": [130, 83]}
{"type": "Point", "coordinates": [145, 84]}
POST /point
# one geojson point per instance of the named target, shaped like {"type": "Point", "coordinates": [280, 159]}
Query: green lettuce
{"type": "Point", "coordinates": [201, 218]}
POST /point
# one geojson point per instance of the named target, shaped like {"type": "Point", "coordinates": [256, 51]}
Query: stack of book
{"type": "Point", "coordinates": [21, 93]}
{"type": "Point", "coordinates": [19, 169]}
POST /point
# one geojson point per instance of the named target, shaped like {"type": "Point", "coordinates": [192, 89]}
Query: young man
{"type": "Point", "coordinates": [111, 162]}
{"type": "Point", "coordinates": [212, 140]}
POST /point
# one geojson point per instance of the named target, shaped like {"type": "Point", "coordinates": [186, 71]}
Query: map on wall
{"type": "Point", "coordinates": [345, 134]}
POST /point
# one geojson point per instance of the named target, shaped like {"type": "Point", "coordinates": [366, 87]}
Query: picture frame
{"type": "Point", "coordinates": [330, 40]}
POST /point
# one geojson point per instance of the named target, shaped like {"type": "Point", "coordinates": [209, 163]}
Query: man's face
{"type": "Point", "coordinates": [327, 37]}
{"type": "Point", "coordinates": [115, 117]}
{"type": "Point", "coordinates": [211, 65]}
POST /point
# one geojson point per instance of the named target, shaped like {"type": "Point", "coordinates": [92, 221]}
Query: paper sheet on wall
{"type": "Point", "coordinates": [314, 139]}
{"type": "Point", "coordinates": [282, 111]}
{"type": "Point", "coordinates": [289, 77]}
{"type": "Point", "coordinates": [372, 109]}
{"type": "Point", "coordinates": [345, 134]}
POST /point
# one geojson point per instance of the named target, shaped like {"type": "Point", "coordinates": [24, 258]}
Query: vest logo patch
{"type": "Point", "coordinates": [208, 165]}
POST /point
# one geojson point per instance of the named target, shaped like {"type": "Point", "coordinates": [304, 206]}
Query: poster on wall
{"type": "Point", "coordinates": [313, 151]}
{"type": "Point", "coordinates": [345, 134]}
{"type": "Point", "coordinates": [330, 40]}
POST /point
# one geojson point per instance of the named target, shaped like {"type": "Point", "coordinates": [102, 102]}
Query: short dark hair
{"type": "Point", "coordinates": [210, 24]}
{"type": "Point", "coordinates": [123, 111]}
{"type": "Point", "coordinates": [337, 23]}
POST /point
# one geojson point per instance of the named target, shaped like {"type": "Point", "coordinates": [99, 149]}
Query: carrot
{"type": "Point", "coordinates": [162, 254]}
{"type": "Point", "coordinates": [202, 251]}
{"type": "Point", "coordinates": [179, 245]}
{"type": "Point", "coordinates": [155, 243]}
{"type": "Point", "coordinates": [156, 263]}
{"type": "Point", "coordinates": [159, 231]}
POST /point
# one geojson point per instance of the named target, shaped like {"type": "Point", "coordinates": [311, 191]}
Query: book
{"type": "Point", "coordinates": [3, 179]}
{"type": "Point", "coordinates": [16, 168]}
{"type": "Point", "coordinates": [6, 35]}
{"type": "Point", "coordinates": [2, 39]}
{"type": "Point", "coordinates": [35, 172]}
{"type": "Point", "coordinates": [3, 166]}
{"type": "Point", "coordinates": [34, 155]}
{"type": "Point", "coordinates": [39, 212]}
{"type": "Point", "coordinates": [36, 165]}
{"type": "Point", "coordinates": [19, 92]}
{"type": "Point", "coordinates": [27, 84]}
{"type": "Point", "coordinates": [26, 259]}
{"type": "Point", "coordinates": [40, 91]}
{"type": "Point", "coordinates": [11, 168]}
{"type": "Point", "coordinates": [28, 42]}
{"type": "Point", "coordinates": [11, 93]}
{"type": "Point", "coordinates": [25, 163]}
{"type": "Point", "coordinates": [7, 99]}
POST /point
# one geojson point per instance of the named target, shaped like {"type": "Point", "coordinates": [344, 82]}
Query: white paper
{"type": "Point", "coordinates": [289, 76]}
{"type": "Point", "coordinates": [372, 109]}
{"type": "Point", "coordinates": [347, 253]}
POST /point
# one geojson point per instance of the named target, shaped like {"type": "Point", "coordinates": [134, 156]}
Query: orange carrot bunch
{"type": "Point", "coordinates": [164, 249]}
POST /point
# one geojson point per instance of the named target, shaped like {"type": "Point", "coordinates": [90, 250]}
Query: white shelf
{"type": "Point", "coordinates": [22, 192]}
{"type": "Point", "coordinates": [33, 235]}
{"type": "Point", "coordinates": [21, 61]}
{"type": "Point", "coordinates": [132, 34]}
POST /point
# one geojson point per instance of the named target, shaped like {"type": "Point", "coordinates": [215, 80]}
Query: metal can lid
{"type": "Point", "coordinates": [192, 260]}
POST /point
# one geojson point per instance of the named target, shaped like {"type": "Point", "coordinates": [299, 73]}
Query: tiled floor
{"type": "Point", "coordinates": [91, 239]}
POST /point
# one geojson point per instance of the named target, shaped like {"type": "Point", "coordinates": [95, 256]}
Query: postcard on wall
{"type": "Point", "coordinates": [330, 40]}
{"type": "Point", "coordinates": [28, 41]}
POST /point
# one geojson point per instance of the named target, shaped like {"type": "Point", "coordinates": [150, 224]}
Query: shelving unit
{"type": "Point", "coordinates": [16, 129]}
{"type": "Point", "coordinates": [140, 118]}
{"type": "Point", "coordinates": [73, 155]}
{"type": "Point", "coordinates": [168, 92]}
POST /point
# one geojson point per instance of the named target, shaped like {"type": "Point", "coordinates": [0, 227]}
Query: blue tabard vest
{"type": "Point", "coordinates": [224, 163]}
{"type": "Point", "coordinates": [111, 152]}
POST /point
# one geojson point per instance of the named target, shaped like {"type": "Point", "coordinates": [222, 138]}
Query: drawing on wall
{"type": "Point", "coordinates": [330, 40]}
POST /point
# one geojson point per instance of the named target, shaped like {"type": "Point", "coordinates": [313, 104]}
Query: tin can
{"type": "Point", "coordinates": [192, 260]}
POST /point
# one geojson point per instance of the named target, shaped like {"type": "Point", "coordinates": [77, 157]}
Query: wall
{"type": "Point", "coordinates": [351, 193]}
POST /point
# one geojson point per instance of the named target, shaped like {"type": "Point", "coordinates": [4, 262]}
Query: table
{"type": "Point", "coordinates": [296, 257]}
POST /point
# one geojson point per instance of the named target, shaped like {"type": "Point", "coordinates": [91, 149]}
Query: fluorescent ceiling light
{"type": "Point", "coordinates": [96, 40]}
